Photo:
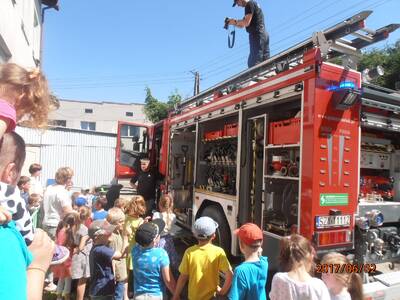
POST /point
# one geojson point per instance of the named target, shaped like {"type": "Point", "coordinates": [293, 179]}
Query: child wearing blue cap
{"type": "Point", "coordinates": [202, 263]}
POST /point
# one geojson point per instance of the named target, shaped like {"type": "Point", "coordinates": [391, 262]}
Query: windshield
{"type": "Point", "coordinates": [133, 138]}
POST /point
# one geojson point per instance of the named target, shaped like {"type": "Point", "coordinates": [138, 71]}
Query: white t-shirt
{"type": "Point", "coordinates": [36, 187]}
{"type": "Point", "coordinates": [55, 198]}
{"type": "Point", "coordinates": [342, 296]}
{"type": "Point", "coordinates": [285, 288]}
{"type": "Point", "coordinates": [170, 221]}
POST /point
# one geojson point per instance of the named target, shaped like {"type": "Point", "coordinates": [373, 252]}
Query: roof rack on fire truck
{"type": "Point", "coordinates": [331, 43]}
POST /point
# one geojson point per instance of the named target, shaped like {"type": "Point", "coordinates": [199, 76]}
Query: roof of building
{"type": "Point", "coordinates": [100, 102]}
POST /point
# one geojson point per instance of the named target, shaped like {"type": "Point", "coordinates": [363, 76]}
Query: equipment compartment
{"type": "Point", "coordinates": [284, 132]}
{"type": "Point", "coordinates": [281, 206]}
{"type": "Point", "coordinates": [216, 168]}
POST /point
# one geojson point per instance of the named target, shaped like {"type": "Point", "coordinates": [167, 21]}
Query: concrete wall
{"type": "Point", "coordinates": [105, 114]}
{"type": "Point", "coordinates": [20, 23]}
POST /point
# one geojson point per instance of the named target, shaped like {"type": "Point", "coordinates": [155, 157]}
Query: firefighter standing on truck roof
{"type": "Point", "coordinates": [254, 22]}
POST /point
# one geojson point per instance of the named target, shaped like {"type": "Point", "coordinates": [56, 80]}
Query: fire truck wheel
{"type": "Point", "coordinates": [223, 233]}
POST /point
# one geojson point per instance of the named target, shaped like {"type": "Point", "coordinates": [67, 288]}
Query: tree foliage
{"type": "Point", "coordinates": [389, 59]}
{"type": "Point", "coordinates": [156, 110]}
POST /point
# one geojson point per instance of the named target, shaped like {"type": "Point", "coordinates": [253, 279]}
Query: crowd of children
{"type": "Point", "coordinates": [123, 253]}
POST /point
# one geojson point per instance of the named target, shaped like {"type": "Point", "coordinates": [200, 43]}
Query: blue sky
{"type": "Point", "coordinates": [102, 50]}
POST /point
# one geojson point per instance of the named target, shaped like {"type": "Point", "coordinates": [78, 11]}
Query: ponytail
{"type": "Point", "coordinates": [352, 281]}
{"type": "Point", "coordinates": [70, 220]}
{"type": "Point", "coordinates": [167, 203]}
{"type": "Point", "coordinates": [28, 92]}
{"type": "Point", "coordinates": [295, 250]}
{"type": "Point", "coordinates": [355, 287]}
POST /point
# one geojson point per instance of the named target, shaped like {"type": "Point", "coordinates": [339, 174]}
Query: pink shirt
{"type": "Point", "coordinates": [7, 113]}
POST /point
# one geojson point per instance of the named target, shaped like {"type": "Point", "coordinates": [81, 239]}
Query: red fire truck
{"type": "Point", "coordinates": [294, 144]}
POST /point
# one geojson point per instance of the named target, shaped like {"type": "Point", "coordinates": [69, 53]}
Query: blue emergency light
{"type": "Point", "coordinates": [345, 95]}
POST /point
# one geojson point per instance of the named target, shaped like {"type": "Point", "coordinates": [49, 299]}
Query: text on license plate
{"type": "Point", "coordinates": [332, 221]}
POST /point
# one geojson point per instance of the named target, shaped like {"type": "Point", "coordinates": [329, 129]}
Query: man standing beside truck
{"type": "Point", "coordinates": [258, 37]}
{"type": "Point", "coordinates": [145, 183]}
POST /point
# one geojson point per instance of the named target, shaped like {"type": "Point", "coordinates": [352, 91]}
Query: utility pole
{"type": "Point", "coordinates": [196, 89]}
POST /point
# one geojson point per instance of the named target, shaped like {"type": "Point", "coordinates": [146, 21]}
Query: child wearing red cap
{"type": "Point", "coordinates": [250, 277]}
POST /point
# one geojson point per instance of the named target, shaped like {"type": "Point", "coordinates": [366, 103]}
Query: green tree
{"type": "Point", "coordinates": [389, 59]}
{"type": "Point", "coordinates": [174, 99]}
{"type": "Point", "coordinates": [156, 110]}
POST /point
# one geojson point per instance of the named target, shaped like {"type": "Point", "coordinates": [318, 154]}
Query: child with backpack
{"type": "Point", "coordinates": [150, 263]}
{"type": "Point", "coordinates": [102, 280]}
{"type": "Point", "coordinates": [119, 242]}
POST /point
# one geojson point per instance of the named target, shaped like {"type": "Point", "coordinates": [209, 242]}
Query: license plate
{"type": "Point", "coordinates": [332, 221]}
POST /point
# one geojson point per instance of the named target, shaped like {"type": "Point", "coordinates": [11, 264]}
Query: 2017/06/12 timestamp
{"type": "Point", "coordinates": [345, 268]}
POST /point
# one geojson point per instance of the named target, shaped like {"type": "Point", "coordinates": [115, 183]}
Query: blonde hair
{"type": "Point", "coordinates": [33, 198]}
{"type": "Point", "coordinates": [115, 215]}
{"type": "Point", "coordinates": [63, 174]}
{"type": "Point", "coordinates": [167, 204]}
{"type": "Point", "coordinates": [136, 207]}
{"type": "Point", "coordinates": [84, 213]}
{"type": "Point", "coordinates": [28, 92]}
{"type": "Point", "coordinates": [74, 196]}
{"type": "Point", "coordinates": [295, 250]}
{"type": "Point", "coordinates": [121, 203]}
{"type": "Point", "coordinates": [352, 281]}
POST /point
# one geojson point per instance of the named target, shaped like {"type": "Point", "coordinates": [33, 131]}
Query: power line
{"type": "Point", "coordinates": [119, 82]}
{"type": "Point", "coordinates": [115, 85]}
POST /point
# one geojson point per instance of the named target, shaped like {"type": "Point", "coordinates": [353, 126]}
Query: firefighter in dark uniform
{"type": "Point", "coordinates": [145, 183]}
{"type": "Point", "coordinates": [253, 21]}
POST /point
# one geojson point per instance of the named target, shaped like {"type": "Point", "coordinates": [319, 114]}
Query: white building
{"type": "Point", "coordinates": [96, 116]}
{"type": "Point", "coordinates": [20, 30]}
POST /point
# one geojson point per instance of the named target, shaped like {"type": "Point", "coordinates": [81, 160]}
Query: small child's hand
{"type": "Point", "coordinates": [147, 219]}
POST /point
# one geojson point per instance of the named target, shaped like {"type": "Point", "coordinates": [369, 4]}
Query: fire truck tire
{"type": "Point", "coordinates": [223, 233]}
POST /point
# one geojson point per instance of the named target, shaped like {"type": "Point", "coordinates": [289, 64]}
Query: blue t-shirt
{"type": "Point", "coordinates": [147, 265]}
{"type": "Point", "coordinates": [14, 259]}
{"type": "Point", "coordinates": [249, 281]}
{"type": "Point", "coordinates": [100, 215]}
{"type": "Point", "coordinates": [102, 277]}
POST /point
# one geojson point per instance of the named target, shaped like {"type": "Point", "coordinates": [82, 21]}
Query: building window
{"type": "Point", "coordinates": [60, 123]}
{"type": "Point", "coordinates": [88, 125]}
{"type": "Point", "coordinates": [129, 114]}
{"type": "Point", "coordinates": [88, 110]}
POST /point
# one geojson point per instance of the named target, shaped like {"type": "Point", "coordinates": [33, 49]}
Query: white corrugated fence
{"type": "Point", "coordinates": [90, 154]}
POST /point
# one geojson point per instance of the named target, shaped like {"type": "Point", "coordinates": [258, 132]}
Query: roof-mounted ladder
{"type": "Point", "coordinates": [331, 42]}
